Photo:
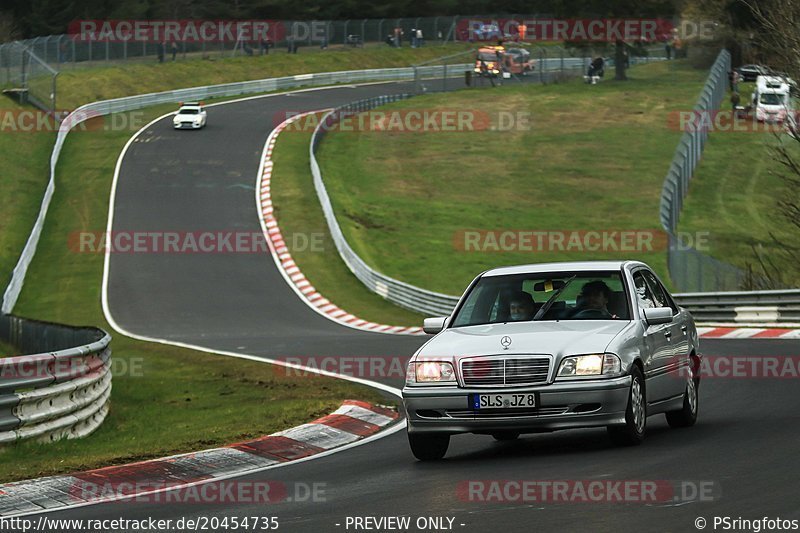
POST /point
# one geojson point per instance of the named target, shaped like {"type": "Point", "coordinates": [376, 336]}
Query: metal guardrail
{"type": "Point", "coordinates": [743, 306]}
{"type": "Point", "coordinates": [63, 390]}
{"type": "Point", "coordinates": [130, 103]}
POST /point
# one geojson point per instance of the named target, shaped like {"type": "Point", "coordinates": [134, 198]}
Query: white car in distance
{"type": "Point", "coordinates": [191, 115]}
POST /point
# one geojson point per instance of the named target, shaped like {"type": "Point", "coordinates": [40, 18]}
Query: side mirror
{"type": "Point", "coordinates": [434, 325]}
{"type": "Point", "coordinates": [658, 315]}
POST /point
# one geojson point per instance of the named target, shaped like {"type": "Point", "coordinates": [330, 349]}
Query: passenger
{"type": "Point", "coordinates": [521, 307]}
{"type": "Point", "coordinates": [593, 301]}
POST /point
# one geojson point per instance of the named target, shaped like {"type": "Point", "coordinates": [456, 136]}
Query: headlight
{"type": "Point", "coordinates": [430, 372]}
{"type": "Point", "coordinates": [590, 365]}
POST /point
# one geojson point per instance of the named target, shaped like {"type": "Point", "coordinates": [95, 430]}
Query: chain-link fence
{"type": "Point", "coordinates": [23, 72]}
{"type": "Point", "coordinates": [691, 270]}
{"type": "Point", "coordinates": [81, 48]}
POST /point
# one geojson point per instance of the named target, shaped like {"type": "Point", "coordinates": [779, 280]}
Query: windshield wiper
{"type": "Point", "coordinates": [546, 307]}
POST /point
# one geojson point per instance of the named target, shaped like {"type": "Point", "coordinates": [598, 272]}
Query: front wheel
{"type": "Point", "coordinates": [430, 447]}
{"type": "Point", "coordinates": [632, 432]}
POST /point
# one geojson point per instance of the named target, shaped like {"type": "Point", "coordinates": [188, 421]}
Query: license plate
{"type": "Point", "coordinates": [503, 401]}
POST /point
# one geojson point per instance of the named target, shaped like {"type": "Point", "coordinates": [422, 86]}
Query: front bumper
{"type": "Point", "coordinates": [566, 405]}
{"type": "Point", "coordinates": [186, 126]}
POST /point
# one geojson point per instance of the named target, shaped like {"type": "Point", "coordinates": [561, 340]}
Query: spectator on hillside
{"type": "Point", "coordinates": [174, 50]}
{"type": "Point", "coordinates": [420, 40]}
{"type": "Point", "coordinates": [413, 37]}
{"type": "Point", "coordinates": [161, 51]}
{"type": "Point", "coordinates": [735, 99]}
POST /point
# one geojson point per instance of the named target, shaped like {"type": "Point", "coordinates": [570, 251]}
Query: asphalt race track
{"type": "Point", "coordinates": [744, 445]}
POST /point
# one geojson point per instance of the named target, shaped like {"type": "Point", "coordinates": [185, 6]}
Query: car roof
{"type": "Point", "coordinates": [570, 266]}
{"type": "Point", "coordinates": [191, 104]}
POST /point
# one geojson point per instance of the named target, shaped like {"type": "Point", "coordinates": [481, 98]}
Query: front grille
{"type": "Point", "coordinates": [493, 371]}
{"type": "Point", "coordinates": [469, 414]}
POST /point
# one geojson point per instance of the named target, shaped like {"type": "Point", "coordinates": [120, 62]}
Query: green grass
{"type": "Point", "coordinates": [733, 196]}
{"type": "Point", "coordinates": [594, 158]}
{"type": "Point", "coordinates": [174, 400]}
{"type": "Point", "coordinates": [6, 350]}
{"type": "Point", "coordinates": [298, 212]}
{"type": "Point", "coordinates": [23, 178]}
{"type": "Point", "coordinates": [80, 86]}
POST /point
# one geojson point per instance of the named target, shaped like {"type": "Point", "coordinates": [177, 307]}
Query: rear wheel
{"type": "Point", "coordinates": [632, 432]}
{"type": "Point", "coordinates": [428, 447]}
{"type": "Point", "coordinates": [687, 415]}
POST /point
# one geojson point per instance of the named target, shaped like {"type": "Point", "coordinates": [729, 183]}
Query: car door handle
{"type": "Point", "coordinates": [668, 334]}
{"type": "Point", "coordinates": [684, 328]}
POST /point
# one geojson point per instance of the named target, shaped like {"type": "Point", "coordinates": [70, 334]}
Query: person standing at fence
{"type": "Point", "coordinates": [174, 50]}
{"type": "Point", "coordinates": [62, 52]}
{"type": "Point", "coordinates": [420, 41]}
{"type": "Point", "coordinates": [413, 37]}
{"type": "Point", "coordinates": [161, 51]}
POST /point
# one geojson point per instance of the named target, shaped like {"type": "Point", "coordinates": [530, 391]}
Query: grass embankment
{"type": "Point", "coordinates": [165, 400]}
{"type": "Point", "coordinates": [734, 197]}
{"type": "Point", "coordinates": [298, 212]}
{"type": "Point", "coordinates": [80, 86]}
{"type": "Point", "coordinates": [23, 178]}
{"type": "Point", "coordinates": [594, 158]}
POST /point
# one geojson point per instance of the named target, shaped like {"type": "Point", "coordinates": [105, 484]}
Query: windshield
{"type": "Point", "coordinates": [488, 56]}
{"type": "Point", "coordinates": [520, 297]}
{"type": "Point", "coordinates": [189, 111]}
{"type": "Point", "coordinates": [771, 99]}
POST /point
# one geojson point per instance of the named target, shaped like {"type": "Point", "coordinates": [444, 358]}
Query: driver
{"type": "Point", "coordinates": [594, 298]}
{"type": "Point", "coordinates": [521, 307]}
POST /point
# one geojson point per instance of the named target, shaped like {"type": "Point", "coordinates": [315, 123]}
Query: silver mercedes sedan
{"type": "Point", "coordinates": [554, 346]}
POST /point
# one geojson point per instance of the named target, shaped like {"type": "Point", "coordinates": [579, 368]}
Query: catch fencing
{"type": "Point", "coordinates": [690, 269]}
